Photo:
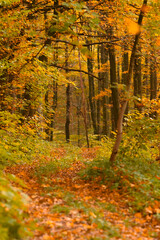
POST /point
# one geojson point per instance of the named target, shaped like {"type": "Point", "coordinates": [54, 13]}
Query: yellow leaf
{"type": "Point", "coordinates": [132, 27]}
{"type": "Point", "coordinates": [92, 214]}
{"type": "Point", "coordinates": [157, 210]}
{"type": "Point", "coordinates": [158, 41]}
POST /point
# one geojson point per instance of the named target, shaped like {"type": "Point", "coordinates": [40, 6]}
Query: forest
{"type": "Point", "coordinates": [79, 119]}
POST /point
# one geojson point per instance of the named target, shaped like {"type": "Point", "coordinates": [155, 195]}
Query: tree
{"type": "Point", "coordinates": [91, 89]}
{"type": "Point", "coordinates": [124, 104]}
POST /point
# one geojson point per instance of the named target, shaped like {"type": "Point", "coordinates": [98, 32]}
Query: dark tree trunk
{"type": "Point", "coordinates": [67, 130]}
{"type": "Point", "coordinates": [153, 82]}
{"type": "Point", "coordinates": [83, 100]}
{"type": "Point", "coordinates": [124, 104]}
{"type": "Point", "coordinates": [105, 85]}
{"type": "Point", "coordinates": [98, 92]}
{"type": "Point", "coordinates": [78, 117]}
{"type": "Point", "coordinates": [114, 85]}
{"type": "Point", "coordinates": [118, 71]}
{"type": "Point", "coordinates": [92, 91]}
{"type": "Point", "coordinates": [55, 84]}
{"type": "Point", "coordinates": [54, 106]}
{"type": "Point", "coordinates": [28, 110]}
{"type": "Point", "coordinates": [153, 78]}
{"type": "Point", "coordinates": [146, 76]}
{"type": "Point", "coordinates": [125, 65]}
{"type": "Point", "coordinates": [67, 124]}
{"type": "Point", "coordinates": [44, 59]}
{"type": "Point", "coordinates": [47, 114]}
{"type": "Point", "coordinates": [137, 79]}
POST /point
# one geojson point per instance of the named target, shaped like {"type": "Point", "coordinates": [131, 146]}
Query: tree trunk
{"type": "Point", "coordinates": [146, 76]}
{"type": "Point", "coordinates": [83, 100]}
{"type": "Point", "coordinates": [124, 104]}
{"type": "Point", "coordinates": [105, 85]}
{"type": "Point", "coordinates": [67, 130]}
{"type": "Point", "coordinates": [54, 106]}
{"type": "Point", "coordinates": [153, 82]}
{"type": "Point", "coordinates": [67, 124]}
{"type": "Point", "coordinates": [114, 85]}
{"type": "Point", "coordinates": [78, 117]}
{"type": "Point", "coordinates": [137, 79]}
{"type": "Point", "coordinates": [98, 92]}
{"type": "Point", "coordinates": [55, 84]}
{"type": "Point", "coordinates": [153, 78]}
{"type": "Point", "coordinates": [47, 114]}
{"type": "Point", "coordinates": [125, 66]}
{"type": "Point", "coordinates": [91, 91]}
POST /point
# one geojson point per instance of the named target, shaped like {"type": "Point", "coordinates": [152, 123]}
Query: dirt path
{"type": "Point", "coordinates": [66, 207]}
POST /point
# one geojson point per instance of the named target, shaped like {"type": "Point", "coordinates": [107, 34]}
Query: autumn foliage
{"type": "Point", "coordinates": [79, 83]}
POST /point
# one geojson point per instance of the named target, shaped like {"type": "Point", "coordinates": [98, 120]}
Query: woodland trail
{"type": "Point", "coordinates": [67, 207]}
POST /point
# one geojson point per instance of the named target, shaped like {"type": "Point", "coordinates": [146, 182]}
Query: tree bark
{"type": "Point", "coordinates": [83, 100]}
{"type": "Point", "coordinates": [91, 91]}
{"type": "Point", "coordinates": [146, 76]}
{"type": "Point", "coordinates": [105, 85]}
{"type": "Point", "coordinates": [153, 78]}
{"type": "Point", "coordinates": [114, 85]}
{"type": "Point", "coordinates": [98, 92]}
{"type": "Point", "coordinates": [125, 66]}
{"type": "Point", "coordinates": [137, 79]}
{"type": "Point", "coordinates": [67, 124]}
{"type": "Point", "coordinates": [153, 81]}
{"type": "Point", "coordinates": [55, 84]}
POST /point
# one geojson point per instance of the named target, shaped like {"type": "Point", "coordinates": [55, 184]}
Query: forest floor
{"type": "Point", "coordinates": [64, 206]}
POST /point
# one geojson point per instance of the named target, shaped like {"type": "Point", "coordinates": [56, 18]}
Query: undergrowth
{"type": "Point", "coordinates": [135, 172]}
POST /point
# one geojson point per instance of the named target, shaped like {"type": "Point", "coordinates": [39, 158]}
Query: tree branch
{"type": "Point", "coordinates": [75, 70]}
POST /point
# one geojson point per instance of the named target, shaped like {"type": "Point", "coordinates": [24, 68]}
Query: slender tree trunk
{"type": "Point", "coordinates": [125, 71]}
{"type": "Point", "coordinates": [54, 106]}
{"type": "Point", "coordinates": [153, 81]}
{"type": "Point", "coordinates": [67, 125]}
{"type": "Point", "coordinates": [55, 84]}
{"type": "Point", "coordinates": [98, 92]}
{"type": "Point", "coordinates": [137, 79]}
{"type": "Point", "coordinates": [91, 91]}
{"type": "Point", "coordinates": [67, 129]}
{"type": "Point", "coordinates": [78, 117]}
{"type": "Point", "coordinates": [114, 85]}
{"type": "Point", "coordinates": [146, 76]}
{"type": "Point", "coordinates": [124, 104]}
{"type": "Point", "coordinates": [105, 85]}
{"type": "Point", "coordinates": [28, 110]}
{"type": "Point", "coordinates": [83, 100]}
{"type": "Point", "coordinates": [47, 114]}
{"type": "Point", "coordinates": [118, 71]}
{"type": "Point", "coordinates": [153, 78]}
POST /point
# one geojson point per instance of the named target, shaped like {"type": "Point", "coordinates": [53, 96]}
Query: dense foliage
{"type": "Point", "coordinates": [67, 68]}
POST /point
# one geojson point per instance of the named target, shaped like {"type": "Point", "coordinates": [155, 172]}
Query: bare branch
{"type": "Point", "coordinates": [74, 70]}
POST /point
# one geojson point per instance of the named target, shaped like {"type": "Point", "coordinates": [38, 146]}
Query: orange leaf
{"type": "Point", "coordinates": [132, 27]}
{"type": "Point", "coordinates": [158, 177]}
{"type": "Point", "coordinates": [149, 210]}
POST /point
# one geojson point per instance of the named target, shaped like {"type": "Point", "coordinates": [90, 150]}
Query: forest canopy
{"type": "Point", "coordinates": [68, 67]}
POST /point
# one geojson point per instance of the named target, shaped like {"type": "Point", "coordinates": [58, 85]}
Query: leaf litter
{"type": "Point", "coordinates": [64, 206]}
